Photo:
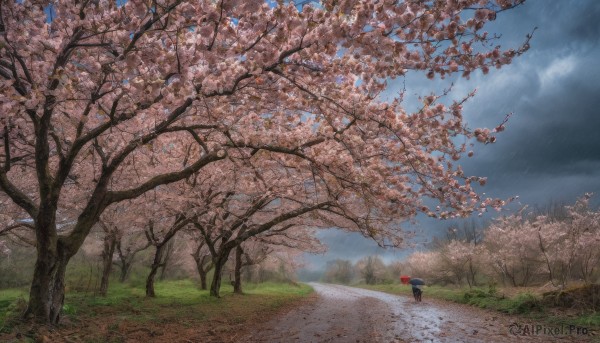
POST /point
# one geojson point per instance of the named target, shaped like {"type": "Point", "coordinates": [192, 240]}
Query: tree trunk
{"type": "Point", "coordinates": [202, 271]}
{"type": "Point", "coordinates": [201, 258]}
{"type": "Point", "coordinates": [153, 270]}
{"type": "Point", "coordinates": [125, 267]}
{"type": "Point", "coordinates": [219, 264]}
{"type": "Point", "coordinates": [127, 262]}
{"type": "Point", "coordinates": [203, 281]}
{"type": "Point", "coordinates": [167, 257]}
{"type": "Point", "coordinates": [47, 293]}
{"type": "Point", "coordinates": [237, 284]}
{"type": "Point", "coordinates": [110, 243]}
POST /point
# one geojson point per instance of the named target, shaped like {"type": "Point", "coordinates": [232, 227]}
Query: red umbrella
{"type": "Point", "coordinates": [404, 279]}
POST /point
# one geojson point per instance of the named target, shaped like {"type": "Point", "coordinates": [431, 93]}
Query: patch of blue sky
{"type": "Point", "coordinates": [272, 3]}
{"type": "Point", "coordinates": [298, 3]}
{"type": "Point", "coordinates": [50, 13]}
{"type": "Point", "coordinates": [305, 116]}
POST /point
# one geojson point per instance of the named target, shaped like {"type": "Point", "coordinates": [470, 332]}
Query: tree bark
{"type": "Point", "coordinates": [110, 242]}
{"type": "Point", "coordinates": [47, 293]}
{"type": "Point", "coordinates": [203, 281]}
{"type": "Point", "coordinates": [219, 264]}
{"type": "Point", "coordinates": [237, 284]}
{"type": "Point", "coordinates": [126, 259]}
{"type": "Point", "coordinates": [202, 269]}
{"type": "Point", "coordinates": [153, 270]}
{"type": "Point", "coordinates": [169, 249]}
{"type": "Point", "coordinates": [125, 267]}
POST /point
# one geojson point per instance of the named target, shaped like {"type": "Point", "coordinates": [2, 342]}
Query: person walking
{"type": "Point", "coordinates": [417, 288]}
{"type": "Point", "coordinates": [417, 292]}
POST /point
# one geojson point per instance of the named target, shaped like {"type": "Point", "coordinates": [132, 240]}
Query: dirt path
{"type": "Point", "coordinates": [347, 314]}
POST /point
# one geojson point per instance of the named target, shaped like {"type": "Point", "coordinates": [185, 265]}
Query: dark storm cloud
{"type": "Point", "coordinates": [552, 132]}
{"type": "Point", "coordinates": [550, 150]}
{"type": "Point", "coordinates": [568, 23]}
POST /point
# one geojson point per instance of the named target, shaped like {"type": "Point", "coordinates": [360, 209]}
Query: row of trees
{"type": "Point", "coordinates": [526, 248]}
{"type": "Point", "coordinates": [370, 270]}
{"type": "Point", "coordinates": [134, 262]}
{"type": "Point", "coordinates": [241, 119]}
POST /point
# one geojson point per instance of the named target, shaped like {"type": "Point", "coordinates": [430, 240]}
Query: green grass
{"type": "Point", "coordinates": [11, 302]}
{"type": "Point", "coordinates": [179, 303]}
{"type": "Point", "coordinates": [180, 298]}
{"type": "Point", "coordinates": [588, 320]}
{"type": "Point", "coordinates": [272, 288]}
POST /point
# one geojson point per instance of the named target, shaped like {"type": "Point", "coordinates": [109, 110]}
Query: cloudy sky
{"type": "Point", "coordinates": [550, 151]}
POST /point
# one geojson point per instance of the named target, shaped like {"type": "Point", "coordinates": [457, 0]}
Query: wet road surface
{"type": "Point", "coordinates": [347, 314]}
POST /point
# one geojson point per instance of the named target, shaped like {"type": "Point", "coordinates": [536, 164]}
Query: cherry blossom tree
{"type": "Point", "coordinates": [275, 243]}
{"type": "Point", "coordinates": [109, 245]}
{"type": "Point", "coordinates": [570, 245]}
{"type": "Point", "coordinates": [114, 222]}
{"type": "Point", "coordinates": [427, 265]}
{"type": "Point", "coordinates": [236, 217]}
{"type": "Point", "coordinates": [339, 271]}
{"type": "Point", "coordinates": [161, 243]}
{"type": "Point", "coordinates": [128, 246]}
{"type": "Point", "coordinates": [372, 269]}
{"type": "Point", "coordinates": [450, 262]}
{"type": "Point", "coordinates": [557, 246]}
{"type": "Point", "coordinates": [513, 249]}
{"type": "Point", "coordinates": [168, 212]}
{"type": "Point", "coordinates": [107, 101]}
{"type": "Point", "coordinates": [248, 254]}
{"type": "Point", "coordinates": [462, 260]}
{"type": "Point", "coordinates": [559, 249]}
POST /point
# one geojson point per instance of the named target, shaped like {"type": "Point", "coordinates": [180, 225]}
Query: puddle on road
{"type": "Point", "coordinates": [420, 321]}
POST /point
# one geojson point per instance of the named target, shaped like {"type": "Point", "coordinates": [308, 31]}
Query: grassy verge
{"type": "Point", "coordinates": [178, 308]}
{"type": "Point", "coordinates": [11, 302]}
{"type": "Point", "coordinates": [524, 304]}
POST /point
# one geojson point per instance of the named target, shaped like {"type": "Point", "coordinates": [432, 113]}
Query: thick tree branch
{"type": "Point", "coordinates": [116, 196]}
{"type": "Point", "coordinates": [253, 231]}
{"type": "Point", "coordinates": [8, 229]}
{"type": "Point", "coordinates": [17, 196]}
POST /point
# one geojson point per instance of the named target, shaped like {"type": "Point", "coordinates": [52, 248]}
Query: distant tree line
{"type": "Point", "coordinates": [370, 270]}
{"type": "Point", "coordinates": [556, 246]}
